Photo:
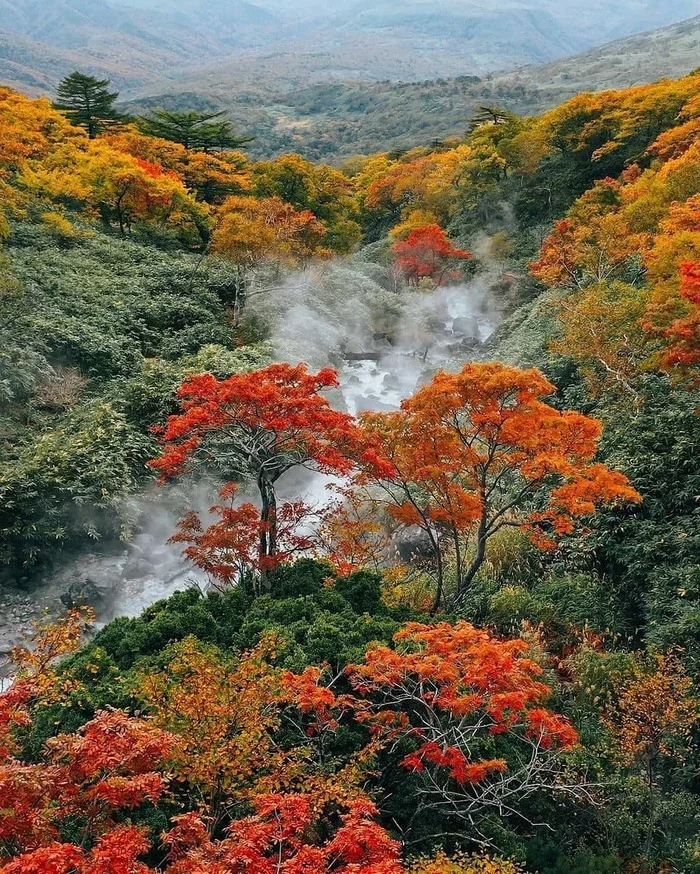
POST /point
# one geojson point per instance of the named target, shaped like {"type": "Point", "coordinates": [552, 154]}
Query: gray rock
{"type": "Point", "coordinates": [82, 593]}
{"type": "Point", "coordinates": [412, 543]}
{"type": "Point", "coordinates": [466, 326]}
{"type": "Point", "coordinates": [136, 568]}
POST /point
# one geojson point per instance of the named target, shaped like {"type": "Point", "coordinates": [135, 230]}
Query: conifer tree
{"type": "Point", "coordinates": [87, 102]}
{"type": "Point", "coordinates": [204, 131]}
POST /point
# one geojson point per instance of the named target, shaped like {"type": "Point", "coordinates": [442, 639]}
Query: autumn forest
{"type": "Point", "coordinates": [423, 428]}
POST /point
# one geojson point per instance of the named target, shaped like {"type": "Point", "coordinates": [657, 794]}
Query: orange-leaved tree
{"type": "Point", "coordinates": [258, 426]}
{"type": "Point", "coordinates": [251, 230]}
{"type": "Point", "coordinates": [351, 535]}
{"type": "Point", "coordinates": [683, 335]}
{"type": "Point", "coordinates": [479, 450]}
{"type": "Point", "coordinates": [224, 714]}
{"type": "Point", "coordinates": [474, 709]}
{"type": "Point", "coordinates": [282, 836]}
{"type": "Point", "coordinates": [227, 714]}
{"type": "Point", "coordinates": [651, 719]}
{"type": "Point", "coordinates": [427, 252]}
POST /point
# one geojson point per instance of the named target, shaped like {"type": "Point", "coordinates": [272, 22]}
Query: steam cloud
{"type": "Point", "coordinates": [316, 316]}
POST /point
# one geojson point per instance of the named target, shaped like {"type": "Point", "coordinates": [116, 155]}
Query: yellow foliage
{"type": "Point", "coordinates": [59, 225]}
{"type": "Point", "coordinates": [655, 712]}
{"type": "Point", "coordinates": [601, 329]}
{"type": "Point", "coordinates": [441, 863]}
{"type": "Point", "coordinates": [417, 218]}
{"type": "Point", "coordinates": [251, 230]}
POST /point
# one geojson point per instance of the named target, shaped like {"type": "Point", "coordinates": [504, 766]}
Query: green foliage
{"type": "Point", "coordinates": [651, 555]}
{"type": "Point", "coordinates": [204, 131]}
{"type": "Point", "coordinates": [70, 483]}
{"type": "Point", "coordinates": [96, 339]}
{"type": "Point", "coordinates": [321, 617]}
{"type": "Point", "coordinates": [88, 102]}
{"type": "Point", "coordinates": [316, 623]}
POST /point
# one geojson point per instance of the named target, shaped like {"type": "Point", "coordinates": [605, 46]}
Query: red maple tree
{"type": "Point", "coordinates": [257, 427]}
{"type": "Point", "coordinates": [276, 839]}
{"type": "Point", "coordinates": [230, 548]}
{"type": "Point", "coordinates": [684, 334]}
{"type": "Point", "coordinates": [428, 252]}
{"type": "Point", "coordinates": [475, 709]}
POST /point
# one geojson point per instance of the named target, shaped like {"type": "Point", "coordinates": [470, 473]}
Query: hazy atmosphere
{"type": "Point", "coordinates": [349, 437]}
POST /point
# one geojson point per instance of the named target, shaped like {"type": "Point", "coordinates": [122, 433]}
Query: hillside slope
{"type": "Point", "coordinates": [283, 45]}
{"type": "Point", "coordinates": [665, 53]}
{"type": "Point", "coordinates": [337, 119]}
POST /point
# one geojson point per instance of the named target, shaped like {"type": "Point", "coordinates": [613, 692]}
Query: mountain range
{"type": "Point", "coordinates": [279, 43]}
{"type": "Point", "coordinates": [332, 80]}
{"type": "Point", "coordinates": [336, 119]}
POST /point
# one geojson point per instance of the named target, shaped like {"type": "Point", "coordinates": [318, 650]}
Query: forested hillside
{"type": "Point", "coordinates": [332, 82]}
{"type": "Point", "coordinates": [143, 42]}
{"type": "Point", "coordinates": [332, 119]}
{"type": "Point", "coordinates": [429, 422]}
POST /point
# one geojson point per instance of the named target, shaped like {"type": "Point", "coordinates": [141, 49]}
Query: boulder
{"type": "Point", "coordinates": [411, 544]}
{"type": "Point", "coordinates": [82, 593]}
{"type": "Point", "coordinates": [466, 326]}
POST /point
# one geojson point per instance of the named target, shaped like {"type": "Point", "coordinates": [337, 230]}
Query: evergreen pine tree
{"type": "Point", "coordinates": [88, 102]}
{"type": "Point", "coordinates": [207, 132]}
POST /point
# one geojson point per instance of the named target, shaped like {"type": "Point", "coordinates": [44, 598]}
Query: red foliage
{"type": "Point", "coordinates": [276, 839]}
{"type": "Point", "coordinates": [230, 548]}
{"type": "Point", "coordinates": [684, 334]}
{"type": "Point", "coordinates": [258, 425]}
{"type": "Point", "coordinates": [154, 170]}
{"type": "Point", "coordinates": [428, 252]}
{"type": "Point", "coordinates": [452, 688]}
{"type": "Point", "coordinates": [113, 764]}
{"type": "Point", "coordinates": [280, 406]}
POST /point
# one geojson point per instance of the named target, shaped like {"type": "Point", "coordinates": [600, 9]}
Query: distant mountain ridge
{"type": "Point", "coordinates": [326, 88]}
{"type": "Point", "coordinates": [334, 120]}
{"type": "Point", "coordinates": [142, 43]}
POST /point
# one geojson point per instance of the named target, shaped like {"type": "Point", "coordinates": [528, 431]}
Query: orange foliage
{"type": "Point", "coordinates": [211, 177]}
{"type": "Point", "coordinates": [250, 231]}
{"type": "Point", "coordinates": [479, 450]}
{"type": "Point", "coordinates": [214, 732]}
{"type": "Point", "coordinates": [593, 244]}
{"type": "Point", "coordinates": [351, 535]}
{"type": "Point", "coordinates": [441, 863]}
{"type": "Point", "coordinates": [455, 689]}
{"type": "Point", "coordinates": [637, 232]}
{"type": "Point", "coordinates": [654, 712]}
{"type": "Point", "coordinates": [683, 335]}
{"type": "Point", "coordinates": [223, 714]}
{"type": "Point", "coordinates": [129, 179]}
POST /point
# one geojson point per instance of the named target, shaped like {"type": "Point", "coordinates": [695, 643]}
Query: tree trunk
{"type": "Point", "coordinates": [478, 561]}
{"type": "Point", "coordinates": [458, 558]}
{"type": "Point", "coordinates": [645, 867]}
{"type": "Point", "coordinates": [239, 299]}
{"type": "Point", "coordinates": [439, 594]}
{"type": "Point", "coordinates": [268, 530]}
